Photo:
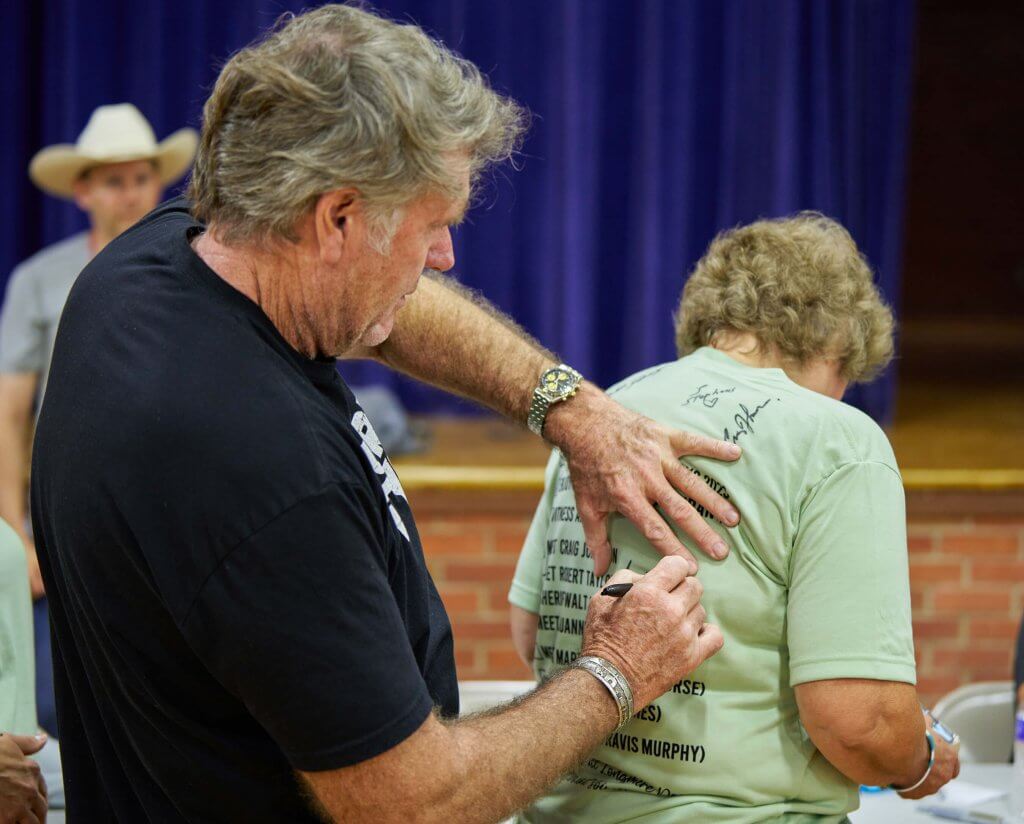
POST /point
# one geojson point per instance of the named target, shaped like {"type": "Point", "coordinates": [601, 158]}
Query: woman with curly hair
{"type": "Point", "coordinates": [813, 691]}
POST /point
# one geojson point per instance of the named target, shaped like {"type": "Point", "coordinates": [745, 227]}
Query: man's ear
{"type": "Point", "coordinates": [335, 219]}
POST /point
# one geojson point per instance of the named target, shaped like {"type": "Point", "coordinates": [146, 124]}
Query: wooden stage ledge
{"type": "Point", "coordinates": [945, 442]}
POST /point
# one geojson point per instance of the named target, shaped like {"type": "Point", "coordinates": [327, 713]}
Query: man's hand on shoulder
{"type": "Point", "coordinates": [624, 462]}
{"type": "Point", "coordinates": [619, 461]}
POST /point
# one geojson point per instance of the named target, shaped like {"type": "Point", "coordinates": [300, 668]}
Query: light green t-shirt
{"type": "Point", "coordinates": [815, 587]}
{"type": "Point", "coordinates": [17, 652]}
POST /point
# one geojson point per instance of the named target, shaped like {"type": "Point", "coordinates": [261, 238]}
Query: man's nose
{"type": "Point", "coordinates": [441, 256]}
{"type": "Point", "coordinates": [132, 194]}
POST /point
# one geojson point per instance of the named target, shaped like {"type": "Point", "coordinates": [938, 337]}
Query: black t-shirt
{"type": "Point", "coordinates": [237, 588]}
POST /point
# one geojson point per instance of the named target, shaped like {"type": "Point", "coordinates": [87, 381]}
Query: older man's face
{"type": "Point", "coordinates": [117, 195]}
{"type": "Point", "coordinates": [423, 241]}
{"type": "Point", "coordinates": [366, 290]}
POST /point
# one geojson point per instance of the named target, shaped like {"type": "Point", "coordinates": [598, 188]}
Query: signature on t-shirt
{"type": "Point", "coordinates": [744, 420]}
{"type": "Point", "coordinates": [708, 397]}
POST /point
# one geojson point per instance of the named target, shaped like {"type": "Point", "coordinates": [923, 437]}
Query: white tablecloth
{"type": "Point", "coordinates": [889, 808]}
{"type": "Point", "coordinates": [878, 808]}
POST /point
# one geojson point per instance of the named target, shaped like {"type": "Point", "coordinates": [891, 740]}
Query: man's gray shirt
{"type": "Point", "coordinates": [36, 293]}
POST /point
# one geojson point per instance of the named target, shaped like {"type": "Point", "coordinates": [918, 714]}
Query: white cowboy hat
{"type": "Point", "coordinates": [114, 134]}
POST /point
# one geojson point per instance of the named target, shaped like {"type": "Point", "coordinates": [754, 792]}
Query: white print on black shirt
{"type": "Point", "coordinates": [382, 466]}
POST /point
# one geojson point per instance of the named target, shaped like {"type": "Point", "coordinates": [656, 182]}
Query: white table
{"type": "Point", "coordinates": [889, 808]}
{"type": "Point", "coordinates": [876, 808]}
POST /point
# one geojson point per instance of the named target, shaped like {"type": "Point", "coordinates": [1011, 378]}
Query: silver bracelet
{"type": "Point", "coordinates": [931, 763]}
{"type": "Point", "coordinates": [616, 683]}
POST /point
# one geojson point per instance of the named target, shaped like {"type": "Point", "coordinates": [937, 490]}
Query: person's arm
{"type": "Point", "coordinates": [22, 358]}
{"type": "Point", "coordinates": [481, 769]}
{"type": "Point", "coordinates": [485, 767]}
{"type": "Point", "coordinates": [619, 461]}
{"type": "Point", "coordinates": [523, 625]}
{"type": "Point", "coordinates": [851, 652]}
{"type": "Point", "coordinates": [873, 733]}
{"type": "Point", "coordinates": [346, 688]}
{"type": "Point", "coordinates": [527, 581]}
{"type": "Point", "coordinates": [22, 788]}
{"type": "Point", "coordinates": [17, 392]}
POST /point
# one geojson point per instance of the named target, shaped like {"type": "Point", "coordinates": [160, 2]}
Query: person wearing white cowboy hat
{"type": "Point", "coordinates": [115, 172]}
{"type": "Point", "coordinates": [116, 137]}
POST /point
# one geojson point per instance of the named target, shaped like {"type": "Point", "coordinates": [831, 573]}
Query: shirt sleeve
{"type": "Point", "coordinates": [526, 583]}
{"type": "Point", "coordinates": [849, 597]}
{"type": "Point", "coordinates": [22, 344]}
{"type": "Point", "coordinates": [300, 623]}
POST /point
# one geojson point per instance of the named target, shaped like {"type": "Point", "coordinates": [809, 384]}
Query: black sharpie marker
{"type": "Point", "coordinates": [616, 590]}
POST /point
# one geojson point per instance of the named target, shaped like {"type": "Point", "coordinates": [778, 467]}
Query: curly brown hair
{"type": "Point", "coordinates": [799, 285]}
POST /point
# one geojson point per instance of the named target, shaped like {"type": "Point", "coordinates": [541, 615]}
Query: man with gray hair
{"type": "Point", "coordinates": [245, 625]}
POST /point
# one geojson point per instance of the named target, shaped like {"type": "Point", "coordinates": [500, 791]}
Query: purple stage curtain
{"type": "Point", "coordinates": [657, 123]}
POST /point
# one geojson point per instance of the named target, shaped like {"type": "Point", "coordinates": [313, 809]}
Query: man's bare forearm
{"type": "Point", "coordinates": [519, 752]}
{"type": "Point", "coordinates": [619, 460]}
{"type": "Point", "coordinates": [448, 337]}
{"type": "Point", "coordinates": [478, 769]}
{"type": "Point", "coordinates": [482, 768]}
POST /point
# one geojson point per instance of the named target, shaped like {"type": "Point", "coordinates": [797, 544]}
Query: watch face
{"type": "Point", "coordinates": [557, 384]}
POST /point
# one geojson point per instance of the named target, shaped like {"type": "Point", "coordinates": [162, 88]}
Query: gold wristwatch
{"type": "Point", "coordinates": [557, 384]}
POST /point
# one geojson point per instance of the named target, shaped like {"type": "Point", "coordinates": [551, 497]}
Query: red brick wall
{"type": "Point", "coordinates": [967, 593]}
{"type": "Point", "coordinates": [472, 558]}
{"type": "Point", "coordinates": [966, 570]}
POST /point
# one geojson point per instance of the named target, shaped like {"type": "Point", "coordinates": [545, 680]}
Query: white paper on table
{"type": "Point", "coordinates": [964, 794]}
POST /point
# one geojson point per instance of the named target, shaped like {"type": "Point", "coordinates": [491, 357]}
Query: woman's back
{"type": "Point", "coordinates": [815, 588]}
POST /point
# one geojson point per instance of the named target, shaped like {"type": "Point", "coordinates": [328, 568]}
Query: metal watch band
{"type": "Point", "coordinates": [541, 403]}
{"type": "Point", "coordinates": [538, 412]}
{"type": "Point", "coordinates": [927, 772]}
{"type": "Point", "coordinates": [616, 683]}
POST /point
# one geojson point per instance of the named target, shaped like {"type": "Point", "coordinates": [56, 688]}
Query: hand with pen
{"type": "Point", "coordinates": [654, 632]}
